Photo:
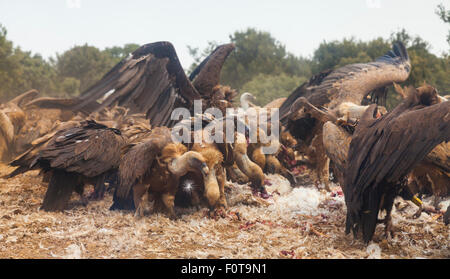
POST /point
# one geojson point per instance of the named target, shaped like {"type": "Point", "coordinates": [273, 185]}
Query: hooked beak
{"type": "Point", "coordinates": [204, 169]}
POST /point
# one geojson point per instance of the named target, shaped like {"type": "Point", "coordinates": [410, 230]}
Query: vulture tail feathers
{"type": "Point", "coordinates": [19, 170]}
{"type": "Point", "coordinates": [60, 188]}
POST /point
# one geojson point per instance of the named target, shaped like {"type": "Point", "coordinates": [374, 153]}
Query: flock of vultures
{"type": "Point", "coordinates": [116, 136]}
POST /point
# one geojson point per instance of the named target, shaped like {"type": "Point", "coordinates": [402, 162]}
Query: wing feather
{"type": "Point", "coordinates": [137, 162]}
{"type": "Point", "coordinates": [142, 81]}
{"type": "Point", "coordinates": [90, 150]}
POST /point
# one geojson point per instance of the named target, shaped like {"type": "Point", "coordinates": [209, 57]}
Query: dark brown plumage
{"type": "Point", "coordinates": [447, 216]}
{"type": "Point", "coordinates": [152, 81]}
{"type": "Point", "coordinates": [150, 170]}
{"type": "Point", "coordinates": [331, 88]}
{"type": "Point", "coordinates": [24, 161]}
{"type": "Point", "coordinates": [350, 83]}
{"type": "Point", "coordinates": [75, 156]}
{"type": "Point", "coordinates": [383, 151]}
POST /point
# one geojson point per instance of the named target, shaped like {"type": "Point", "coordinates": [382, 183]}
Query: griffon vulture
{"type": "Point", "coordinates": [432, 175]}
{"type": "Point", "coordinates": [384, 150]}
{"type": "Point", "coordinates": [75, 156]}
{"type": "Point", "coordinates": [150, 171]}
{"type": "Point", "coordinates": [151, 81]}
{"type": "Point", "coordinates": [332, 88]}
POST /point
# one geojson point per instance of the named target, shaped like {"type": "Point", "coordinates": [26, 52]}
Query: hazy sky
{"type": "Point", "coordinates": [50, 26]}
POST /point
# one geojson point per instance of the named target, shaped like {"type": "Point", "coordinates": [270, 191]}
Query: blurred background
{"type": "Point", "coordinates": [61, 47]}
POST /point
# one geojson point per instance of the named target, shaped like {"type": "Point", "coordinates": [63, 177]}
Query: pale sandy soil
{"type": "Point", "coordinates": [296, 223]}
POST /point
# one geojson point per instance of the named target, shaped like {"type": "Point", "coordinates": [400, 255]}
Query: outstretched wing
{"type": "Point", "coordinates": [138, 160]}
{"type": "Point", "coordinates": [352, 83]}
{"type": "Point", "coordinates": [151, 81]}
{"type": "Point", "coordinates": [207, 75]}
{"type": "Point", "coordinates": [90, 150]}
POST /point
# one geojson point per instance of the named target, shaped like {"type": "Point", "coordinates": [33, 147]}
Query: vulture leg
{"type": "Point", "coordinates": [387, 204]}
{"type": "Point", "coordinates": [322, 162]}
{"type": "Point", "coordinates": [447, 216]}
{"type": "Point", "coordinates": [169, 202]}
{"type": "Point", "coordinates": [60, 188]}
{"type": "Point", "coordinates": [140, 198]}
{"type": "Point", "coordinates": [79, 189]}
{"type": "Point", "coordinates": [221, 180]}
{"type": "Point", "coordinates": [425, 208]}
{"type": "Point", "coordinates": [99, 188]}
{"type": "Point", "coordinates": [219, 210]}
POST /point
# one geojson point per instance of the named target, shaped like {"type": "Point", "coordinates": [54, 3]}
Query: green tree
{"type": "Point", "coordinates": [84, 63]}
{"type": "Point", "coordinates": [339, 53]}
{"type": "Point", "coordinates": [21, 71]}
{"type": "Point", "coordinates": [270, 87]}
{"type": "Point", "coordinates": [257, 52]}
{"type": "Point", "coordinates": [9, 66]}
{"type": "Point", "coordinates": [118, 53]}
{"type": "Point", "coordinates": [444, 14]}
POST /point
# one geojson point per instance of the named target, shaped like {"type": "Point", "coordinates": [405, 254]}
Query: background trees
{"type": "Point", "coordinates": [260, 64]}
{"type": "Point", "coordinates": [70, 73]}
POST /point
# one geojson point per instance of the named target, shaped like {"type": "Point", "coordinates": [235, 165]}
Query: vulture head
{"type": "Point", "coordinates": [428, 95]}
{"type": "Point", "coordinates": [180, 161]}
{"type": "Point", "coordinates": [246, 100]}
{"type": "Point", "coordinates": [196, 163]}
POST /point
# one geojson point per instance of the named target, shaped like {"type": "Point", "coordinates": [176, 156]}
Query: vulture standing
{"type": "Point", "coordinates": [384, 150]}
{"type": "Point", "coordinates": [151, 81]}
{"type": "Point", "coordinates": [151, 170]}
{"type": "Point", "coordinates": [75, 156]}
{"type": "Point", "coordinates": [332, 88]}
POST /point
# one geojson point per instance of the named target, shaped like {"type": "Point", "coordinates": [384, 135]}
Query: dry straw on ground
{"type": "Point", "coordinates": [295, 223]}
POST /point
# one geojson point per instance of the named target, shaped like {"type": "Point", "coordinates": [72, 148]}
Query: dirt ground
{"type": "Point", "coordinates": [299, 222]}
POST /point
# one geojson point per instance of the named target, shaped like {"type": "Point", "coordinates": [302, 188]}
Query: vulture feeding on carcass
{"type": "Point", "coordinates": [382, 153]}
{"type": "Point", "coordinates": [152, 81]}
{"type": "Point", "coordinates": [151, 170]}
{"type": "Point", "coordinates": [75, 156]}
{"type": "Point", "coordinates": [346, 86]}
{"type": "Point", "coordinates": [207, 137]}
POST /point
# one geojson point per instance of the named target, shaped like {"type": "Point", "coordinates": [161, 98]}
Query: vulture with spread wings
{"type": "Point", "coordinates": [75, 156]}
{"type": "Point", "coordinates": [384, 150]}
{"type": "Point", "coordinates": [152, 81]}
{"type": "Point", "coordinates": [347, 86]}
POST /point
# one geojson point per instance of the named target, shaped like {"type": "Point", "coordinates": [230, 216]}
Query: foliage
{"type": "Point", "coordinates": [84, 63]}
{"type": "Point", "coordinates": [118, 53]}
{"type": "Point", "coordinates": [260, 64]}
{"type": "Point", "coordinates": [445, 16]}
{"type": "Point", "coordinates": [269, 87]}
{"type": "Point", "coordinates": [21, 71]}
{"type": "Point", "coordinates": [256, 53]}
